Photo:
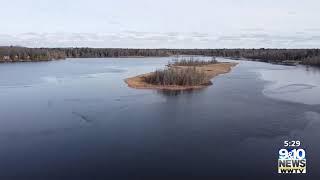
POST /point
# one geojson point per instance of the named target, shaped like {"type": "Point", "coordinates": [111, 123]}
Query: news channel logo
{"type": "Point", "coordinates": [292, 159]}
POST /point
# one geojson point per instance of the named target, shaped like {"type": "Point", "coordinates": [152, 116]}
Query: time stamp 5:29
{"type": "Point", "coordinates": [291, 143]}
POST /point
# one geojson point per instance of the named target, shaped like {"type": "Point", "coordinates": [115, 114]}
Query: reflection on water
{"type": "Point", "coordinates": [177, 92]}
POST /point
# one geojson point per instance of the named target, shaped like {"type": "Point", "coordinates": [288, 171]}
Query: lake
{"type": "Point", "coordinates": [77, 119]}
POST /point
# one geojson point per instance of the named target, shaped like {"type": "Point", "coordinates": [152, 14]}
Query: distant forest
{"type": "Point", "coordinates": [22, 54]}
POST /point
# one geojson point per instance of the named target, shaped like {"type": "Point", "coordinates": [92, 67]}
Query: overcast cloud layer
{"type": "Point", "coordinates": [161, 24]}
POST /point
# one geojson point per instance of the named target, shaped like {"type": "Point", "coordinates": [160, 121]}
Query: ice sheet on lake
{"type": "Point", "coordinates": [295, 84]}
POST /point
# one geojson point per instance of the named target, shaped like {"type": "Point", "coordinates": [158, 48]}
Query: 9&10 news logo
{"type": "Point", "coordinates": [292, 160]}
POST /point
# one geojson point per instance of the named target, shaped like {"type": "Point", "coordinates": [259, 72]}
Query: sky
{"type": "Point", "coordinates": [161, 23]}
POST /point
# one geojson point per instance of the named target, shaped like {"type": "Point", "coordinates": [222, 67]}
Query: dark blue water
{"type": "Point", "coordinates": [77, 119]}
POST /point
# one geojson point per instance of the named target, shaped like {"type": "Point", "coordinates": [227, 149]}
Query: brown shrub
{"type": "Point", "coordinates": [189, 76]}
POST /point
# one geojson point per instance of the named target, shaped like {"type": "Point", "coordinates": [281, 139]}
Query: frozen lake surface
{"type": "Point", "coordinates": [77, 119]}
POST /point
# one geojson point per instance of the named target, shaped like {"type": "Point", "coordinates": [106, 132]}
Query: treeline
{"type": "Point", "coordinates": [304, 56]}
{"type": "Point", "coordinates": [22, 54]}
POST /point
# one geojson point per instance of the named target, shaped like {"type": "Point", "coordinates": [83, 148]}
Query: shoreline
{"type": "Point", "coordinates": [211, 70]}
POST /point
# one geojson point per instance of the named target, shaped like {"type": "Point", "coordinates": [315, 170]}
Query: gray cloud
{"type": "Point", "coordinates": [297, 40]}
{"type": "Point", "coordinates": [312, 29]}
{"type": "Point", "coordinates": [136, 39]}
{"type": "Point", "coordinates": [292, 13]}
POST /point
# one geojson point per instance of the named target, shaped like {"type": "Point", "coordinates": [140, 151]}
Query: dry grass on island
{"type": "Point", "coordinates": [181, 75]}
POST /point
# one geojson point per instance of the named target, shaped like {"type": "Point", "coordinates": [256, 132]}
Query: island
{"type": "Point", "coordinates": [181, 75]}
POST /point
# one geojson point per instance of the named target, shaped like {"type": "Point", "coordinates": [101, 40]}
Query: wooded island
{"type": "Point", "coordinates": [181, 75]}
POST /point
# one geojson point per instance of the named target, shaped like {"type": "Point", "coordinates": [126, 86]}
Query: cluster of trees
{"type": "Point", "coordinates": [191, 62]}
{"type": "Point", "coordinates": [112, 52]}
{"type": "Point", "coordinates": [304, 56]}
{"type": "Point", "coordinates": [21, 54]}
{"type": "Point", "coordinates": [312, 60]}
{"type": "Point", "coordinates": [189, 76]}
